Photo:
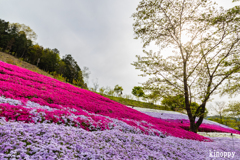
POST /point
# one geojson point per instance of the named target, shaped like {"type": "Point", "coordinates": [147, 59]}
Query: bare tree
{"type": "Point", "coordinates": [219, 108]}
{"type": "Point", "coordinates": [95, 85]}
{"type": "Point", "coordinates": [85, 74]}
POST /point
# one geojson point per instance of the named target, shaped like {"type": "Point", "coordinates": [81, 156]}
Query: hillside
{"type": "Point", "coordinates": [18, 62]}
{"type": "Point", "coordinates": [43, 118]}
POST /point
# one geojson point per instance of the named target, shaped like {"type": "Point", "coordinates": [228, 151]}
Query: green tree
{"type": "Point", "coordinates": [175, 103]}
{"type": "Point", "coordinates": [154, 96]}
{"type": "Point", "coordinates": [3, 33]}
{"type": "Point", "coordinates": [21, 45]}
{"type": "Point", "coordinates": [21, 40]}
{"type": "Point", "coordinates": [61, 67]}
{"type": "Point", "coordinates": [138, 91]}
{"type": "Point", "coordinates": [204, 41]}
{"type": "Point", "coordinates": [219, 108]}
{"type": "Point", "coordinates": [79, 81]}
{"type": "Point", "coordinates": [233, 110]}
{"type": "Point", "coordinates": [102, 90]}
{"type": "Point", "coordinates": [109, 91]}
{"type": "Point", "coordinates": [118, 90]}
{"type": "Point", "coordinates": [72, 70]}
{"type": "Point", "coordinates": [49, 60]}
{"type": "Point", "coordinates": [18, 39]}
{"type": "Point", "coordinates": [23, 29]}
{"type": "Point", "coordinates": [10, 38]}
{"type": "Point", "coordinates": [34, 53]}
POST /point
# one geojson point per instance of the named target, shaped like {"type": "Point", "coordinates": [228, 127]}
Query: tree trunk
{"type": "Point", "coordinates": [23, 52]}
{"type": "Point", "coordinates": [193, 127]}
{"type": "Point", "coordinates": [202, 110]}
{"type": "Point", "coordinates": [10, 44]}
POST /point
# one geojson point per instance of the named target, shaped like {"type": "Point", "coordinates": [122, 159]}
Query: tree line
{"type": "Point", "coordinates": [18, 40]}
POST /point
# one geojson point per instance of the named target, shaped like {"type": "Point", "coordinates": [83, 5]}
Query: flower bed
{"type": "Point", "coordinates": [51, 141]}
{"type": "Point", "coordinates": [42, 118]}
{"type": "Point", "coordinates": [41, 99]}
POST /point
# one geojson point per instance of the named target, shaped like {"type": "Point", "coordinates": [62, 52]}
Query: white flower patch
{"type": "Point", "coordinates": [218, 134]}
{"type": "Point", "coordinates": [31, 104]}
{"type": "Point", "coordinates": [10, 101]}
{"type": "Point", "coordinates": [154, 110]}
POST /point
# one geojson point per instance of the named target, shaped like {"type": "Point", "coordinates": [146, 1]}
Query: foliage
{"type": "Point", "coordinates": [232, 122]}
{"type": "Point", "coordinates": [177, 103]}
{"type": "Point", "coordinates": [204, 41]}
{"type": "Point", "coordinates": [118, 90]}
{"type": "Point", "coordinates": [109, 91]}
{"type": "Point", "coordinates": [133, 103]}
{"type": "Point", "coordinates": [102, 90]}
{"type": "Point", "coordinates": [58, 76]}
{"type": "Point", "coordinates": [228, 114]}
{"type": "Point", "coordinates": [233, 110]}
{"type": "Point", "coordinates": [138, 91]}
{"type": "Point", "coordinates": [23, 29]}
{"type": "Point", "coordinates": [154, 96]}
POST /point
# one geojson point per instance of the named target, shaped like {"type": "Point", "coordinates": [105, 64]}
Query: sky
{"type": "Point", "coordinates": [98, 34]}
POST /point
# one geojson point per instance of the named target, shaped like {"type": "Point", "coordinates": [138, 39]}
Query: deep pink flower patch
{"type": "Point", "coordinates": [63, 103]}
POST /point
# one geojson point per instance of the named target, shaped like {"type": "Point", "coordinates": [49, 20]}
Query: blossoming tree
{"type": "Point", "coordinates": [203, 40]}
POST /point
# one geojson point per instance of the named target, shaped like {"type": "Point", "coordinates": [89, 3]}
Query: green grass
{"type": "Point", "coordinates": [134, 103]}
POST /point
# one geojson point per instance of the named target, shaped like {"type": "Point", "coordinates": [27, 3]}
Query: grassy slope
{"type": "Point", "coordinates": [15, 61]}
{"type": "Point", "coordinates": [134, 103]}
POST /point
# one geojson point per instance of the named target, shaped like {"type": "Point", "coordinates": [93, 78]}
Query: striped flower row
{"type": "Point", "coordinates": [60, 102]}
